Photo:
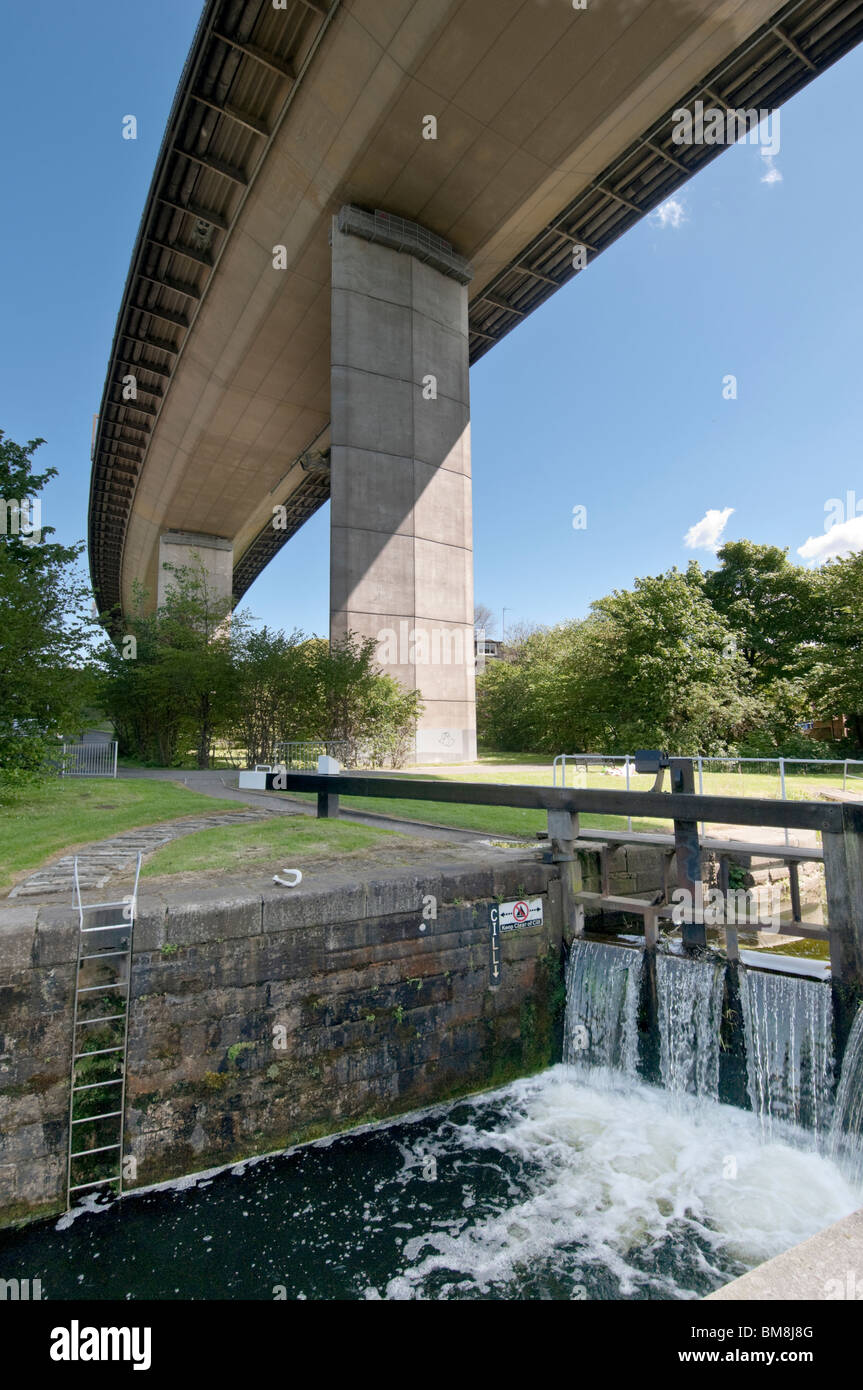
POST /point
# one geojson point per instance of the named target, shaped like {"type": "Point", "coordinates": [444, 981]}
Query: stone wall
{"type": "Point", "coordinates": [635, 871]}
{"type": "Point", "coordinates": [266, 1017]}
{"type": "Point", "coordinates": [37, 968]}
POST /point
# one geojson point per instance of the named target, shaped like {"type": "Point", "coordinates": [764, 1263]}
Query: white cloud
{"type": "Point", "coordinates": [844, 539]}
{"type": "Point", "coordinates": [707, 533]}
{"type": "Point", "coordinates": [771, 173]}
{"type": "Point", "coordinates": [671, 213]}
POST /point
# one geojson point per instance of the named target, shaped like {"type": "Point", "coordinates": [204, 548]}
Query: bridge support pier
{"type": "Point", "coordinates": [401, 562]}
{"type": "Point", "coordinates": [181, 549]}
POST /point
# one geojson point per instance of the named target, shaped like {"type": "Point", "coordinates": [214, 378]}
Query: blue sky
{"type": "Point", "coordinates": [609, 397]}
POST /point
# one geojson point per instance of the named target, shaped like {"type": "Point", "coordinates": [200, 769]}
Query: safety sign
{"type": "Point", "coordinates": [524, 912]}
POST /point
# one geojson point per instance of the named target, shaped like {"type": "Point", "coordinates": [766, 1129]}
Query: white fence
{"type": "Point", "coordinates": [794, 778]}
{"type": "Point", "coordinates": [89, 760]}
{"type": "Point", "coordinates": [614, 765]}
{"type": "Point", "coordinates": [303, 757]}
{"type": "Point", "coordinates": [623, 765]}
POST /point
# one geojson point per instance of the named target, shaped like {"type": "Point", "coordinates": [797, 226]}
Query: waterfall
{"type": "Point", "coordinates": [846, 1136]}
{"type": "Point", "coordinates": [689, 1000]}
{"type": "Point", "coordinates": [787, 1034]}
{"type": "Point", "coordinates": [789, 1049]}
{"type": "Point", "coordinates": [602, 990]}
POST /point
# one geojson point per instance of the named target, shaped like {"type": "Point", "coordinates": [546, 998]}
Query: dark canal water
{"type": "Point", "coordinates": [570, 1185]}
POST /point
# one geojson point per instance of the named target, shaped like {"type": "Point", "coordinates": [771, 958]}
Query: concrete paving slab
{"type": "Point", "coordinates": [827, 1266]}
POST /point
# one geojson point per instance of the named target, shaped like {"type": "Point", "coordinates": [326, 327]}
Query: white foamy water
{"type": "Point", "coordinates": [603, 1182]}
{"type": "Point", "coordinates": [789, 1049]}
{"type": "Point", "coordinates": [690, 1012]}
{"type": "Point", "coordinates": [846, 1138]}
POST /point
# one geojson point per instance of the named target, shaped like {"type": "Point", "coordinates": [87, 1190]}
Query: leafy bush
{"type": "Point", "coordinates": [43, 625]}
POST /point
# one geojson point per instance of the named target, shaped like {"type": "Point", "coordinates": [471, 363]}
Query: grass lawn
{"type": "Point", "coordinates": [535, 770]}
{"type": "Point", "coordinates": [497, 820]}
{"type": "Point", "coordinates": [287, 841]}
{"type": "Point", "coordinates": [539, 759]}
{"type": "Point", "coordinates": [69, 812]}
{"type": "Point", "coordinates": [531, 770]}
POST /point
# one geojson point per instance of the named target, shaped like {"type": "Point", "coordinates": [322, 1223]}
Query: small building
{"type": "Point", "coordinates": [828, 730]}
{"type": "Point", "coordinates": [486, 649]}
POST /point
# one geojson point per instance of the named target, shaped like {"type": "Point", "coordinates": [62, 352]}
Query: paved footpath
{"type": "Point", "coordinates": [101, 861]}
{"type": "Point", "coordinates": [224, 783]}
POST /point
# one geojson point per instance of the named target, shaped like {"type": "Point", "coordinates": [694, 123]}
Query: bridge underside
{"type": "Point", "coordinates": [222, 417]}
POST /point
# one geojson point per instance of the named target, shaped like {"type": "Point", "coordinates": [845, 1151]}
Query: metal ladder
{"type": "Point", "coordinates": [111, 942]}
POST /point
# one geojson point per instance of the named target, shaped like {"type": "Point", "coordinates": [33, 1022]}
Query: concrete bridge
{"type": "Point", "coordinates": [351, 204]}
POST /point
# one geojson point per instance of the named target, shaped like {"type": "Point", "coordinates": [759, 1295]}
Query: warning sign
{"type": "Point", "coordinates": [524, 912]}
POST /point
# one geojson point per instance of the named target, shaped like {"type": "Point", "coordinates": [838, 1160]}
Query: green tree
{"type": "Point", "coordinates": [528, 701]}
{"type": "Point", "coordinates": [506, 707]}
{"type": "Point", "coordinates": [769, 602]}
{"type": "Point", "coordinates": [656, 665]}
{"type": "Point", "coordinates": [172, 680]}
{"type": "Point", "coordinates": [135, 689]}
{"type": "Point", "coordinates": [44, 626]}
{"type": "Point", "coordinates": [278, 694]}
{"type": "Point", "coordinates": [674, 676]}
{"type": "Point", "coordinates": [356, 704]}
{"type": "Point", "coordinates": [775, 608]}
{"type": "Point", "coordinates": [191, 674]}
{"type": "Point", "coordinates": [836, 674]}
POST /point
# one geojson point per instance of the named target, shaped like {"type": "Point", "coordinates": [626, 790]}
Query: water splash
{"type": "Point", "coordinates": [573, 1184]}
{"type": "Point", "coordinates": [846, 1135]}
{"type": "Point", "coordinates": [612, 1193]}
{"type": "Point", "coordinates": [689, 999]}
{"type": "Point", "coordinates": [602, 991]}
{"type": "Point", "coordinates": [789, 1050]}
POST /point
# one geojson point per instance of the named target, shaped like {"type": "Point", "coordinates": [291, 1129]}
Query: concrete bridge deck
{"type": "Point", "coordinates": [352, 202]}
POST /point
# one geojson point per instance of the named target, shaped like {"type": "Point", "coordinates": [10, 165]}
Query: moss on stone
{"type": "Point", "coordinates": [539, 1042]}
{"type": "Point", "coordinates": [39, 1083]}
{"type": "Point", "coordinates": [16, 1214]}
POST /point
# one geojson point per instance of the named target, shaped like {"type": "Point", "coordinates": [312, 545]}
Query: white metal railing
{"type": "Point", "coordinates": [89, 760]}
{"type": "Point", "coordinates": [609, 763]}
{"type": "Point", "coordinates": [820, 765]}
{"type": "Point", "coordinates": [303, 756]}
{"type": "Point", "coordinates": [849, 763]}
{"type": "Point", "coordinates": [597, 761]}
{"type": "Point", "coordinates": [592, 760]}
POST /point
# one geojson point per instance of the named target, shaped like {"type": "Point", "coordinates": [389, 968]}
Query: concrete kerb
{"type": "Point", "coordinates": [56, 936]}
{"type": "Point", "coordinates": [18, 942]}
{"type": "Point", "coordinates": [827, 1266]}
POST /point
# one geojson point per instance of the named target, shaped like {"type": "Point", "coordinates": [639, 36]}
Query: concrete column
{"type": "Point", "coordinates": [187, 548]}
{"type": "Point", "coordinates": [401, 564]}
